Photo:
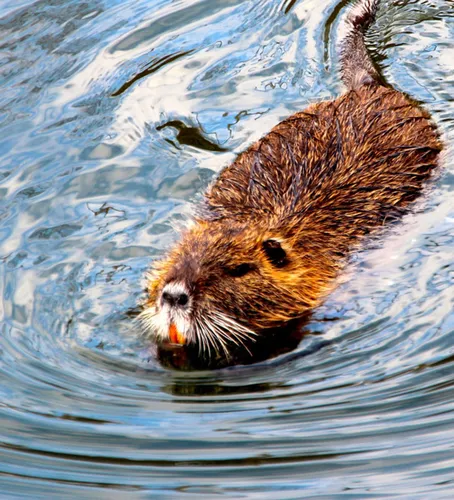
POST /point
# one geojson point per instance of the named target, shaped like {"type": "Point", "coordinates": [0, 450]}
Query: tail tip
{"type": "Point", "coordinates": [357, 67]}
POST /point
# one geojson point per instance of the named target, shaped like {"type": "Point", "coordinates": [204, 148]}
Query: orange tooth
{"type": "Point", "coordinates": [175, 336]}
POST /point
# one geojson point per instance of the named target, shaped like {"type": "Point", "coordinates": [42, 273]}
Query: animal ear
{"type": "Point", "coordinates": [275, 253]}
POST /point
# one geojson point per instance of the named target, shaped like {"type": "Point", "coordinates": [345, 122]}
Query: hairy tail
{"type": "Point", "coordinates": [356, 65]}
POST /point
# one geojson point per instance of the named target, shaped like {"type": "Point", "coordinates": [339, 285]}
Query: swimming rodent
{"type": "Point", "coordinates": [277, 226]}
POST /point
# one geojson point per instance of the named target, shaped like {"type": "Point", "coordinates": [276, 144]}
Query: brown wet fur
{"type": "Point", "coordinates": [317, 184]}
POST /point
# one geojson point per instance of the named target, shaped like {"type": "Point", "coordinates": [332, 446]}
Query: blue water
{"type": "Point", "coordinates": [93, 188]}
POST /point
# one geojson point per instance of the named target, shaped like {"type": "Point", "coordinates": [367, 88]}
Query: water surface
{"type": "Point", "coordinates": [95, 177]}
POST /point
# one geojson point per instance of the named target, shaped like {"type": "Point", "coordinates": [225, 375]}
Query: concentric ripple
{"type": "Point", "coordinates": [95, 177]}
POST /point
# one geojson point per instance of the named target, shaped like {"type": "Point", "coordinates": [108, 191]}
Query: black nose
{"type": "Point", "coordinates": [175, 298]}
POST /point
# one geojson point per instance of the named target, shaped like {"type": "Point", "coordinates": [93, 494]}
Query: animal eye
{"type": "Point", "coordinates": [240, 270]}
{"type": "Point", "coordinates": [275, 253]}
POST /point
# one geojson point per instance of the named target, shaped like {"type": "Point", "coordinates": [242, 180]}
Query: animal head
{"type": "Point", "coordinates": [225, 282]}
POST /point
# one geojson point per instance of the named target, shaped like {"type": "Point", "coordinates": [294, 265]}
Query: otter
{"type": "Point", "coordinates": [276, 228]}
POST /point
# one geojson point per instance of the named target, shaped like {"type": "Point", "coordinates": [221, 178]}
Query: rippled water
{"type": "Point", "coordinates": [96, 172]}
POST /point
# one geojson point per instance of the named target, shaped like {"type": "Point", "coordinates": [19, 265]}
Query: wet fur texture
{"type": "Point", "coordinates": [357, 68]}
{"type": "Point", "coordinates": [277, 226]}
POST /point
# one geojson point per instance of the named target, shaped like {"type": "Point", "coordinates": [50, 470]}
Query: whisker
{"type": "Point", "coordinates": [146, 318]}
{"type": "Point", "coordinates": [223, 325]}
{"type": "Point", "coordinates": [221, 330]}
{"type": "Point", "coordinates": [214, 337]}
{"type": "Point", "coordinates": [228, 319]}
{"type": "Point", "coordinates": [237, 340]}
{"type": "Point", "coordinates": [240, 330]}
{"type": "Point", "coordinates": [222, 333]}
{"type": "Point", "coordinates": [200, 335]}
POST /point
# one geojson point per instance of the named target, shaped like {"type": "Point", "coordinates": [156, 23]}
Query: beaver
{"type": "Point", "coordinates": [271, 235]}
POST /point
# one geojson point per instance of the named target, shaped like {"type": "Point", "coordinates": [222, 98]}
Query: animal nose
{"type": "Point", "coordinates": [175, 299]}
{"type": "Point", "coordinates": [175, 296]}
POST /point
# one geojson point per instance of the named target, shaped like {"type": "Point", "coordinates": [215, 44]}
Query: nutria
{"type": "Point", "coordinates": [277, 226]}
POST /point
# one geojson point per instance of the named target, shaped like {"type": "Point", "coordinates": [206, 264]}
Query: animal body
{"type": "Point", "coordinates": [275, 229]}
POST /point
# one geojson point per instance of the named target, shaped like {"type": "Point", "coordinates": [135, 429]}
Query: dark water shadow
{"type": "Point", "coordinates": [268, 345]}
{"type": "Point", "coordinates": [154, 66]}
{"type": "Point", "coordinates": [191, 136]}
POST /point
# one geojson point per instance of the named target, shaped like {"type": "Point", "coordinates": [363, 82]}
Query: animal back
{"type": "Point", "coordinates": [367, 152]}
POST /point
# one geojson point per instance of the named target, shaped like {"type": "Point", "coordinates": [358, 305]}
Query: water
{"type": "Point", "coordinates": [93, 182]}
